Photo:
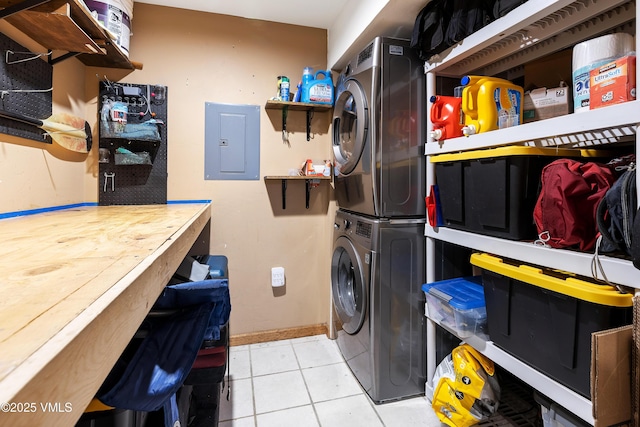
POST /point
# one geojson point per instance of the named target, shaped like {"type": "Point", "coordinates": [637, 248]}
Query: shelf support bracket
{"type": "Point", "coordinates": [19, 7]}
{"type": "Point", "coordinates": [309, 184]}
{"type": "Point", "coordinates": [307, 193]}
{"type": "Point", "coordinates": [54, 61]}
{"type": "Point", "coordinates": [285, 111]}
{"type": "Point", "coordinates": [309, 116]}
{"type": "Point", "coordinates": [284, 194]}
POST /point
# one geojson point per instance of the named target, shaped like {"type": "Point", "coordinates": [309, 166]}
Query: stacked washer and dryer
{"type": "Point", "coordinates": [378, 261]}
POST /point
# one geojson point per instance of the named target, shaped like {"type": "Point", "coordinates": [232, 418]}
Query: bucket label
{"type": "Point", "coordinates": [115, 17]}
{"type": "Point", "coordinates": [114, 21]}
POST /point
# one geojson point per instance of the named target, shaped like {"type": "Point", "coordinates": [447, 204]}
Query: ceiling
{"type": "Point", "coordinates": [317, 14]}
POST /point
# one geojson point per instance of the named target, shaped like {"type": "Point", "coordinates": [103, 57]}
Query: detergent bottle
{"type": "Point", "coordinates": [446, 116]}
{"type": "Point", "coordinates": [317, 90]}
{"type": "Point", "coordinates": [490, 103]}
{"type": "Point", "coordinates": [305, 83]}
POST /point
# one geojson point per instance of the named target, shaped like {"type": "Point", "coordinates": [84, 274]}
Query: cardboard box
{"type": "Point", "coordinates": [611, 376]}
{"type": "Point", "coordinates": [613, 83]}
{"type": "Point", "coordinates": [543, 103]}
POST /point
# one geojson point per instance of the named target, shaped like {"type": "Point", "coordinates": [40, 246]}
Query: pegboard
{"type": "Point", "coordinates": [139, 178]}
{"type": "Point", "coordinates": [26, 81]}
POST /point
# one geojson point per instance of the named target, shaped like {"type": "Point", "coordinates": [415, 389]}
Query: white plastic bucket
{"type": "Point", "coordinates": [116, 16]}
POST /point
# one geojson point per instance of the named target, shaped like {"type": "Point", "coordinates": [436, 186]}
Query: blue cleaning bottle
{"type": "Point", "coordinates": [307, 79]}
{"type": "Point", "coordinates": [318, 90]}
{"type": "Point", "coordinates": [321, 90]}
{"type": "Point", "coordinates": [298, 95]}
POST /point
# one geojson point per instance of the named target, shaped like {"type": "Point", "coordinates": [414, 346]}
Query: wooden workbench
{"type": "Point", "coordinates": [76, 284]}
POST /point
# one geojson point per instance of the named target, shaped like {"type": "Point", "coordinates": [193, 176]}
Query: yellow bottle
{"type": "Point", "coordinates": [490, 103]}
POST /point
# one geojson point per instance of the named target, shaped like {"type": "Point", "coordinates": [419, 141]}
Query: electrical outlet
{"type": "Point", "coordinates": [277, 276]}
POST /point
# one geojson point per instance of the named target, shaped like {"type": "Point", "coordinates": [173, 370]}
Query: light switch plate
{"type": "Point", "coordinates": [277, 276]}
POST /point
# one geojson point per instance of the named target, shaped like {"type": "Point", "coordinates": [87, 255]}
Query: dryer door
{"type": "Point", "coordinates": [348, 285]}
{"type": "Point", "coordinates": [350, 126]}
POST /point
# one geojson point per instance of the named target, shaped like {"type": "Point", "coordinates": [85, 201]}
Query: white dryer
{"type": "Point", "coordinates": [378, 132]}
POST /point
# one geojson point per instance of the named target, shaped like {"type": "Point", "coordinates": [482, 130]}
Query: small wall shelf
{"type": "Point", "coordinates": [285, 106]}
{"type": "Point", "coordinates": [308, 181]}
{"type": "Point", "coordinates": [66, 25]}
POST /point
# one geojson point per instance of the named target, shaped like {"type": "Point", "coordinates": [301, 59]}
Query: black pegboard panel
{"type": "Point", "coordinates": [133, 184]}
{"type": "Point", "coordinates": [25, 88]}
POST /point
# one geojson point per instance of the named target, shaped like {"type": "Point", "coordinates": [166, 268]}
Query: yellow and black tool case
{"type": "Point", "coordinates": [546, 317]}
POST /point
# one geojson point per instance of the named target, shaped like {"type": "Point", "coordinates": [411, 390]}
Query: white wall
{"type": "Point", "coordinates": [363, 20]}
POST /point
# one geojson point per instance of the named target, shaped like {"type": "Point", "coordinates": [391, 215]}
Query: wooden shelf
{"type": "Point", "coordinates": [285, 106]}
{"type": "Point", "coordinates": [296, 106]}
{"type": "Point", "coordinates": [68, 25]}
{"type": "Point", "coordinates": [308, 180]}
{"type": "Point", "coordinates": [297, 177]}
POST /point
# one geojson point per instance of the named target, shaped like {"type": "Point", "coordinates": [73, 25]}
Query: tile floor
{"type": "Point", "coordinates": [304, 382]}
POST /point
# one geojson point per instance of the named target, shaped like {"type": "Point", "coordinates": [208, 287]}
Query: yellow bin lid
{"type": "Point", "coordinates": [520, 150]}
{"type": "Point", "coordinates": [554, 280]}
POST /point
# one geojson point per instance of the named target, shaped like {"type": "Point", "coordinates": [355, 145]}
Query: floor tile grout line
{"type": "Point", "coordinates": [306, 386]}
{"type": "Point", "coordinates": [361, 393]}
{"type": "Point", "coordinates": [301, 370]}
{"type": "Point", "coordinates": [253, 393]}
{"type": "Point", "coordinates": [375, 411]}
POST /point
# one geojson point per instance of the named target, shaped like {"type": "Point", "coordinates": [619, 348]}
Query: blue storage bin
{"type": "Point", "coordinates": [219, 266]}
{"type": "Point", "coordinates": [458, 304]}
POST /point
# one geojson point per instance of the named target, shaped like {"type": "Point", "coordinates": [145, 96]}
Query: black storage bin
{"type": "Point", "coordinates": [113, 418]}
{"type": "Point", "coordinates": [206, 378]}
{"type": "Point", "coordinates": [493, 191]}
{"type": "Point", "coordinates": [545, 318]}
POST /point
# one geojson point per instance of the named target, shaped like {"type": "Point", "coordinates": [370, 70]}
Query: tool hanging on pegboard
{"type": "Point", "coordinates": [25, 89]}
{"type": "Point", "coordinates": [128, 111]}
{"type": "Point", "coordinates": [109, 176]}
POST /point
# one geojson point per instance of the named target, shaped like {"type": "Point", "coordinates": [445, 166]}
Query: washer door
{"type": "Point", "coordinates": [348, 285]}
{"type": "Point", "coordinates": [350, 126]}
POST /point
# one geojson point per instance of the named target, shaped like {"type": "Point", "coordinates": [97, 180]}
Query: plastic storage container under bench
{"type": "Point", "coordinates": [493, 191]}
{"type": "Point", "coordinates": [546, 317]}
{"type": "Point", "coordinates": [457, 304]}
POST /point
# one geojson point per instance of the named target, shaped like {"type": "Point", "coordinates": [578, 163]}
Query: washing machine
{"type": "Point", "coordinates": [378, 132]}
{"type": "Point", "coordinates": [377, 270]}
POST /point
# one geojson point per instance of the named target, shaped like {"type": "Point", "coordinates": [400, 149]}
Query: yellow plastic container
{"type": "Point", "coordinates": [490, 103]}
{"type": "Point", "coordinates": [556, 281]}
{"type": "Point", "coordinates": [546, 317]}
